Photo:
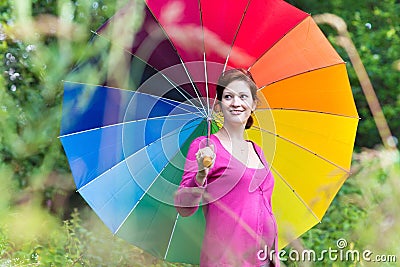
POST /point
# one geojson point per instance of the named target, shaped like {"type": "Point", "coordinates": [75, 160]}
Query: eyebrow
{"type": "Point", "coordinates": [233, 92]}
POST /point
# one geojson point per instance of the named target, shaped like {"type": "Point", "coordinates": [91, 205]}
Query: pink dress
{"type": "Point", "coordinates": [237, 207]}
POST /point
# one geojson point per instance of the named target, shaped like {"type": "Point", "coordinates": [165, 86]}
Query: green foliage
{"type": "Point", "coordinates": [35, 61]}
{"type": "Point", "coordinates": [75, 244]}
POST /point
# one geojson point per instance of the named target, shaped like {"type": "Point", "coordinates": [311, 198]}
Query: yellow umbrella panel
{"type": "Point", "coordinates": [306, 126]}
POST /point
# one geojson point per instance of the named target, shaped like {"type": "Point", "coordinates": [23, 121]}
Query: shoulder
{"type": "Point", "coordinates": [259, 151]}
{"type": "Point", "coordinates": [256, 147]}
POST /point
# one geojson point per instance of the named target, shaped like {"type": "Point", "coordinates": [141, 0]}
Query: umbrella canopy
{"type": "Point", "coordinates": [126, 146]}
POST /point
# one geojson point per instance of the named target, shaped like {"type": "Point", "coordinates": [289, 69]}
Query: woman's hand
{"type": "Point", "coordinates": [205, 160]}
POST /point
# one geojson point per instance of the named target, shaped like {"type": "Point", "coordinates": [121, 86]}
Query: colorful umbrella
{"type": "Point", "coordinates": [127, 146]}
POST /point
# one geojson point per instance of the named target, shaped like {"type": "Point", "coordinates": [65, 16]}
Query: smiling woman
{"type": "Point", "coordinates": [236, 189]}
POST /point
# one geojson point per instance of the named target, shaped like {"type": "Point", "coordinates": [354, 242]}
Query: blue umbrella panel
{"type": "Point", "coordinates": [126, 151]}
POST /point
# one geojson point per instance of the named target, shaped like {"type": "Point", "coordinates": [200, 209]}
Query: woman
{"type": "Point", "coordinates": [236, 189]}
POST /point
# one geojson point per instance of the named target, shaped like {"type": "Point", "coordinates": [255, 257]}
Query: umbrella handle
{"type": "Point", "coordinates": [207, 161]}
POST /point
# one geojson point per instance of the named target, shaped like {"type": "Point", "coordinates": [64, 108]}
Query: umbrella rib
{"type": "Point", "coordinates": [122, 161]}
{"type": "Point", "coordinates": [298, 145]}
{"type": "Point", "coordinates": [129, 213]}
{"type": "Point", "coordinates": [177, 53]}
{"type": "Point", "coordinates": [236, 34]}
{"type": "Point", "coordinates": [112, 146]}
{"type": "Point", "coordinates": [204, 59]}
{"type": "Point", "coordinates": [163, 99]}
{"type": "Point", "coordinates": [277, 41]}
{"type": "Point", "coordinates": [141, 197]}
{"type": "Point", "coordinates": [213, 105]}
{"type": "Point", "coordinates": [158, 71]}
{"type": "Point", "coordinates": [170, 237]}
{"type": "Point", "coordinates": [169, 117]}
{"type": "Point", "coordinates": [296, 194]}
{"type": "Point", "coordinates": [287, 140]}
{"type": "Point", "coordinates": [136, 204]}
{"type": "Point", "coordinates": [206, 78]}
{"type": "Point", "coordinates": [200, 109]}
{"type": "Point", "coordinates": [311, 111]}
{"type": "Point", "coordinates": [304, 148]}
{"type": "Point", "coordinates": [105, 86]}
{"type": "Point", "coordinates": [155, 179]}
{"type": "Point", "coordinates": [300, 73]}
{"type": "Point", "coordinates": [179, 104]}
{"type": "Point", "coordinates": [193, 85]}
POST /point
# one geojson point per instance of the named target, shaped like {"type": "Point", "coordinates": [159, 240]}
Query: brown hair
{"type": "Point", "coordinates": [237, 75]}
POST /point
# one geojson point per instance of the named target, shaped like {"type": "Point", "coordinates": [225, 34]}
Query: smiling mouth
{"type": "Point", "coordinates": [236, 111]}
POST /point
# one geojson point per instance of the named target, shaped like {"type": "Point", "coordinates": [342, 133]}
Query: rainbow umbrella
{"type": "Point", "coordinates": [126, 145]}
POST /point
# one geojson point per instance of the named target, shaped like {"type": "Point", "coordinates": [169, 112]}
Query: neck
{"type": "Point", "coordinates": [234, 132]}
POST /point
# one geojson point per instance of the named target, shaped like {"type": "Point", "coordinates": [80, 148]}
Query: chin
{"type": "Point", "coordinates": [236, 121]}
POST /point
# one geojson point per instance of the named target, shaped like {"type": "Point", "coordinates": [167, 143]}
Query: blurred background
{"type": "Point", "coordinates": [44, 222]}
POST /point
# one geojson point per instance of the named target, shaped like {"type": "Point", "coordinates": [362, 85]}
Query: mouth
{"type": "Point", "coordinates": [236, 111]}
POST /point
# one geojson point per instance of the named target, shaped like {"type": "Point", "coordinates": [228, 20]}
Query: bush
{"type": "Point", "coordinates": [74, 244]}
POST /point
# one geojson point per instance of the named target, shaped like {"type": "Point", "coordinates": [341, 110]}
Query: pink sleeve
{"type": "Point", "coordinates": [189, 193]}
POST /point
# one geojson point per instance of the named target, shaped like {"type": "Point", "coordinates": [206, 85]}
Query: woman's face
{"type": "Point", "coordinates": [237, 103]}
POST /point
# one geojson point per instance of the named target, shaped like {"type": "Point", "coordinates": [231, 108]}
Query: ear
{"type": "Point", "coordinates": [217, 106]}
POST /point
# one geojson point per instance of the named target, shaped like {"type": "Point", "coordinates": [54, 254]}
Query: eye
{"type": "Point", "coordinates": [227, 96]}
{"type": "Point", "coordinates": [244, 96]}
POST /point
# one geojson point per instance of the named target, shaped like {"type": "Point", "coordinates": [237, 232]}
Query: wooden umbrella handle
{"type": "Point", "coordinates": [207, 161]}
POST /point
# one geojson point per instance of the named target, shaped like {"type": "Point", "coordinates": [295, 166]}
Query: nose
{"type": "Point", "coordinates": [236, 101]}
